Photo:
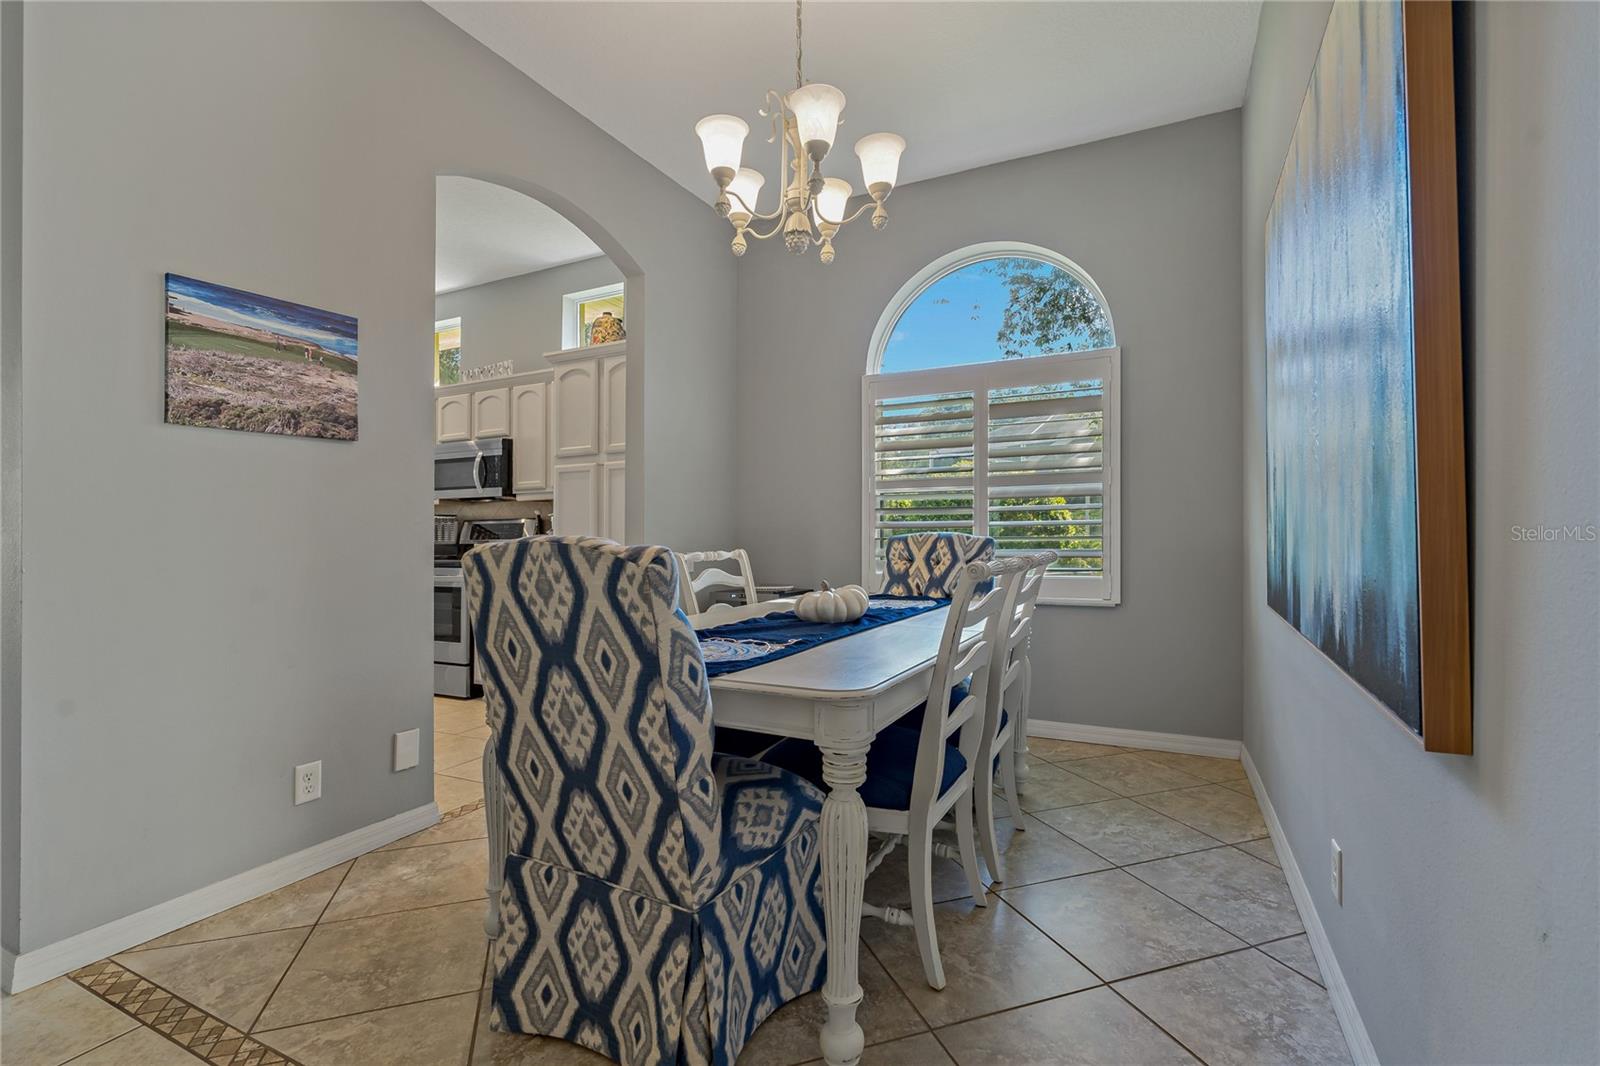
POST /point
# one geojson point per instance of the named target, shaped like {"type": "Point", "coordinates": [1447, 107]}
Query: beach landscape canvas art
{"type": "Point", "coordinates": [1365, 489]}
{"type": "Point", "coordinates": [240, 360]}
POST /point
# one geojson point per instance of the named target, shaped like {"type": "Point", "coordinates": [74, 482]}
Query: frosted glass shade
{"type": "Point", "coordinates": [743, 191]}
{"type": "Point", "coordinates": [833, 200]}
{"type": "Point", "coordinates": [880, 158]}
{"type": "Point", "coordinates": [722, 137]}
{"type": "Point", "coordinates": [816, 110]}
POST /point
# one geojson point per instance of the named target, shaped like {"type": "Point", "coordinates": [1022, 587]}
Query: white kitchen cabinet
{"type": "Point", "coordinates": [577, 409]}
{"type": "Point", "coordinates": [452, 418]}
{"type": "Point", "coordinates": [589, 434]}
{"type": "Point", "coordinates": [613, 500]}
{"type": "Point", "coordinates": [614, 403]}
{"type": "Point", "coordinates": [577, 499]}
{"type": "Point", "coordinates": [491, 413]}
{"type": "Point", "coordinates": [530, 438]}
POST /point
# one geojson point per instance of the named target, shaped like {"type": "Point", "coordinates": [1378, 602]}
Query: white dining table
{"type": "Point", "coordinates": [837, 695]}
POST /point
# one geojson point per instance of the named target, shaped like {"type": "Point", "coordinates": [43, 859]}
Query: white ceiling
{"type": "Point", "coordinates": [965, 83]}
{"type": "Point", "coordinates": [484, 232]}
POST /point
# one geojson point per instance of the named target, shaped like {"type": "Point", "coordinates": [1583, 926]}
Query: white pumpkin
{"type": "Point", "coordinates": [829, 604]}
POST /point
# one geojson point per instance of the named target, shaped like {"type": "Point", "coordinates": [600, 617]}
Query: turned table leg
{"type": "Point", "coordinates": [844, 873]}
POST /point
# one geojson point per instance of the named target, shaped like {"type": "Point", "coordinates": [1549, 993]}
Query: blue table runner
{"type": "Point", "coordinates": [753, 641]}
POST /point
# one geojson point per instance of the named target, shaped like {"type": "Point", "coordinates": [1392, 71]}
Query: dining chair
{"type": "Point", "coordinates": [650, 900]}
{"type": "Point", "coordinates": [1006, 704]}
{"type": "Point", "coordinates": [928, 564]}
{"type": "Point", "coordinates": [915, 777]}
{"type": "Point", "coordinates": [697, 585]}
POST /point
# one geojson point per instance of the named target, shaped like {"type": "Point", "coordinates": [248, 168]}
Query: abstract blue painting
{"type": "Point", "coordinates": [1341, 409]}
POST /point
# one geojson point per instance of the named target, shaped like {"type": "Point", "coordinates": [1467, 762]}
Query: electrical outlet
{"type": "Point", "coordinates": [1336, 873]}
{"type": "Point", "coordinates": [307, 782]}
{"type": "Point", "coordinates": [407, 749]}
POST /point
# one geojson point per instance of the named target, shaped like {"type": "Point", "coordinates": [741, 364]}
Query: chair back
{"type": "Point", "coordinates": [694, 586]}
{"type": "Point", "coordinates": [928, 564]}
{"type": "Point", "coordinates": [600, 712]}
{"type": "Point", "coordinates": [967, 649]}
{"type": "Point", "coordinates": [1016, 617]}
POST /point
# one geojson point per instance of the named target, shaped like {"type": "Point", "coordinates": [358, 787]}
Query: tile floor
{"type": "Point", "coordinates": [1144, 919]}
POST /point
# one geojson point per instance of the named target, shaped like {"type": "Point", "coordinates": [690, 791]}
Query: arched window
{"type": "Point", "coordinates": [991, 407]}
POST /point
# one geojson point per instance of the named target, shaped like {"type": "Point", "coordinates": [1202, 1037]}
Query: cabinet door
{"type": "Point", "coordinates": [491, 413]}
{"type": "Point", "coordinates": [530, 441]}
{"type": "Point", "coordinates": [577, 410]}
{"type": "Point", "coordinates": [613, 497]}
{"type": "Point", "coordinates": [614, 402]}
{"type": "Point", "coordinates": [577, 503]}
{"type": "Point", "coordinates": [452, 418]}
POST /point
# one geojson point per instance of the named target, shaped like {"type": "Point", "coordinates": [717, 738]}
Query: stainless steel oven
{"type": "Point", "coordinates": [472, 469]}
{"type": "Point", "coordinates": [452, 635]}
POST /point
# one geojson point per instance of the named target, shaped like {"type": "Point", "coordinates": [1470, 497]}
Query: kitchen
{"type": "Point", "coordinates": [530, 392]}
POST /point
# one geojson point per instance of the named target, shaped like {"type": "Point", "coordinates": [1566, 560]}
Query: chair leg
{"type": "Point", "coordinates": [1019, 731]}
{"type": "Point", "coordinates": [1008, 779]}
{"type": "Point", "coordinates": [983, 794]}
{"type": "Point", "coordinates": [966, 837]}
{"type": "Point", "coordinates": [494, 812]}
{"type": "Point", "coordinates": [919, 856]}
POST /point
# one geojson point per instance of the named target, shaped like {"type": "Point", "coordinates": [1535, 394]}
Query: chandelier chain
{"type": "Point", "coordinates": [799, 46]}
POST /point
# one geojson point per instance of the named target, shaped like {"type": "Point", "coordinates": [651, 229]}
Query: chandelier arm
{"type": "Point", "coordinates": [851, 217]}
{"type": "Point", "coordinates": [751, 210]}
{"type": "Point", "coordinates": [758, 235]}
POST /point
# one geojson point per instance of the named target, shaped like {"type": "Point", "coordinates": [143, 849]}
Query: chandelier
{"type": "Point", "coordinates": [804, 122]}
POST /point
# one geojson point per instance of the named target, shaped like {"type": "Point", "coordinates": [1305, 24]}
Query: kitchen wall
{"type": "Point", "coordinates": [1468, 930]}
{"type": "Point", "coordinates": [519, 318]}
{"type": "Point", "coordinates": [1153, 217]}
{"type": "Point", "coordinates": [205, 609]}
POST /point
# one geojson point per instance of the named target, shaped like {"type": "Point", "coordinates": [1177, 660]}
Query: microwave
{"type": "Point", "coordinates": [472, 469]}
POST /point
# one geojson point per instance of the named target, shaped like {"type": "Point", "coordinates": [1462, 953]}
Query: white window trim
{"type": "Point", "coordinates": [1059, 589]}
{"type": "Point", "coordinates": [571, 337]}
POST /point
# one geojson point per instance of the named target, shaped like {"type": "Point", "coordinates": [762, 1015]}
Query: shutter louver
{"type": "Point", "coordinates": [1045, 472]}
{"type": "Point", "coordinates": [924, 458]}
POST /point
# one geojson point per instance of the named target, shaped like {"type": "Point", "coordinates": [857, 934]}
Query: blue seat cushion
{"type": "Point", "coordinates": [891, 766]}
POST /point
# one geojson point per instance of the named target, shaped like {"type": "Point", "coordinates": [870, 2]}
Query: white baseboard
{"type": "Point", "coordinates": [35, 967]}
{"type": "Point", "coordinates": [1362, 1053]}
{"type": "Point", "coordinates": [1135, 738]}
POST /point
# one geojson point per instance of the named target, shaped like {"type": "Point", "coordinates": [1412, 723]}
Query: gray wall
{"type": "Point", "coordinates": [10, 464]}
{"type": "Point", "coordinates": [205, 609]}
{"type": "Point", "coordinates": [1154, 218]}
{"type": "Point", "coordinates": [1468, 931]}
{"type": "Point", "coordinates": [519, 318]}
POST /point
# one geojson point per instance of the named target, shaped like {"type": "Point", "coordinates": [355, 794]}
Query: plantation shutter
{"type": "Point", "coordinates": [1044, 472]}
{"type": "Point", "coordinates": [1022, 450]}
{"type": "Point", "coordinates": [923, 465]}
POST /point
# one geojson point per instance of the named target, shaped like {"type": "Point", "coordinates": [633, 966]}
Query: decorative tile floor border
{"type": "Point", "coordinates": [200, 1033]}
{"type": "Point", "coordinates": [467, 808]}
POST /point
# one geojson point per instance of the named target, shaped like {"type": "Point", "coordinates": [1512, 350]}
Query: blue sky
{"type": "Point", "coordinates": [952, 323]}
{"type": "Point", "coordinates": [331, 330]}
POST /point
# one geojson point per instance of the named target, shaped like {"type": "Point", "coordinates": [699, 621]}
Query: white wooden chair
{"type": "Point", "coordinates": [1010, 690]}
{"type": "Point", "coordinates": [695, 586]}
{"type": "Point", "coordinates": [915, 777]}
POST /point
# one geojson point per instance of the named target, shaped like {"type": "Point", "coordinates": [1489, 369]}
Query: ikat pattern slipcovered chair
{"type": "Point", "coordinates": [928, 564]}
{"type": "Point", "coordinates": [657, 901]}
